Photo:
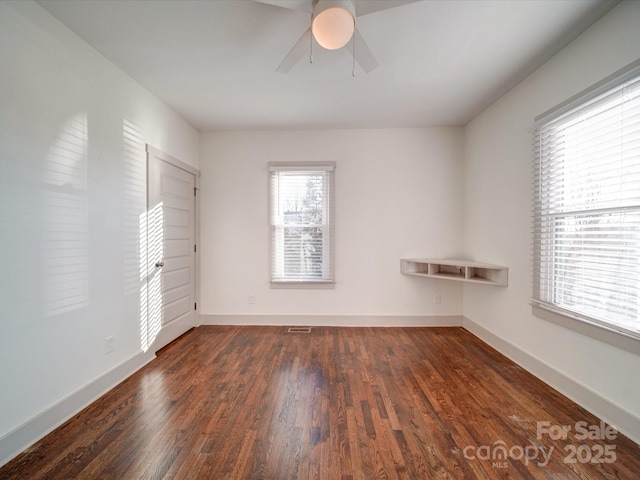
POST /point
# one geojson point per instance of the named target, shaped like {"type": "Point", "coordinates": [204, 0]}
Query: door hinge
{"type": "Point", "coordinates": [195, 190]}
{"type": "Point", "coordinates": [195, 306]}
{"type": "Point", "coordinates": [194, 248]}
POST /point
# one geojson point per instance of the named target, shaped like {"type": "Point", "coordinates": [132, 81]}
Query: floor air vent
{"type": "Point", "coordinates": [299, 330]}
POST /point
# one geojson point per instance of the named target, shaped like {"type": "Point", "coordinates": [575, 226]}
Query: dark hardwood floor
{"type": "Point", "coordinates": [336, 403]}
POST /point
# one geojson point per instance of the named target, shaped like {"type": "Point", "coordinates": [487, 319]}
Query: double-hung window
{"type": "Point", "coordinates": [302, 223]}
{"type": "Point", "coordinates": [586, 225]}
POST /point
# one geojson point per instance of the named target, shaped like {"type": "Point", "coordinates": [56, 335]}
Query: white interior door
{"type": "Point", "coordinates": [171, 240]}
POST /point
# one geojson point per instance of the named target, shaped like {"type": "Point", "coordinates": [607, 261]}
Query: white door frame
{"type": "Point", "coordinates": [153, 152]}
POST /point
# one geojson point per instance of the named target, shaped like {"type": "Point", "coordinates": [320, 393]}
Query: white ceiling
{"type": "Point", "coordinates": [441, 61]}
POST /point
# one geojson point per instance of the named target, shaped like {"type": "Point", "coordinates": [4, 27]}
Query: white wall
{"type": "Point", "coordinates": [498, 217]}
{"type": "Point", "coordinates": [72, 187]}
{"type": "Point", "coordinates": [398, 194]}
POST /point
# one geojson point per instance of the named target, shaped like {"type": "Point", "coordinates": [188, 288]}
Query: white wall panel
{"type": "Point", "coordinates": [73, 130]}
{"type": "Point", "coordinates": [398, 194]}
{"type": "Point", "coordinates": [497, 179]}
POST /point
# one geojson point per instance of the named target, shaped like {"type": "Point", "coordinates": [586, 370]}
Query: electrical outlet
{"type": "Point", "coordinates": [437, 299]}
{"type": "Point", "coordinates": [252, 299]}
{"type": "Point", "coordinates": [109, 344]}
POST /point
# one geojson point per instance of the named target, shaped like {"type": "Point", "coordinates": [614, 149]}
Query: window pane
{"type": "Point", "coordinates": [587, 210]}
{"type": "Point", "coordinates": [303, 248]}
{"type": "Point", "coordinates": [301, 202]}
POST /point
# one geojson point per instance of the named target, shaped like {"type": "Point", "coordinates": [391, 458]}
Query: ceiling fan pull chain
{"type": "Point", "coordinates": [311, 41]}
{"type": "Point", "coordinates": [353, 70]}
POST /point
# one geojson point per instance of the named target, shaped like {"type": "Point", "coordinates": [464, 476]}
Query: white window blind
{"type": "Point", "coordinates": [586, 225]}
{"type": "Point", "coordinates": [301, 213]}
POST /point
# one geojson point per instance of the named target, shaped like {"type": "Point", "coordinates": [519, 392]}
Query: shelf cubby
{"type": "Point", "coordinates": [454, 269]}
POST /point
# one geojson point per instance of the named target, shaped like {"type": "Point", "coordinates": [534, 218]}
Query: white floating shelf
{"type": "Point", "coordinates": [453, 269]}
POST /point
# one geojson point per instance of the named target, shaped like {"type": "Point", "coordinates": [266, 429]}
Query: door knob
{"type": "Point", "coordinates": [159, 264]}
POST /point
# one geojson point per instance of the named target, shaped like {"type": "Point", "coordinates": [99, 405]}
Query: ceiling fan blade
{"type": "Point", "coordinates": [365, 7]}
{"type": "Point", "coordinates": [301, 47]}
{"type": "Point", "coordinates": [362, 53]}
{"type": "Point", "coordinates": [302, 5]}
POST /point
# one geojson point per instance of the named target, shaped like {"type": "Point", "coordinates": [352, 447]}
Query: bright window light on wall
{"type": "Point", "coordinates": [586, 225]}
{"type": "Point", "coordinates": [301, 217]}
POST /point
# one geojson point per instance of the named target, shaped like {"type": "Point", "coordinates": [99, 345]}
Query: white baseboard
{"type": "Point", "coordinates": [25, 435]}
{"type": "Point", "coordinates": [615, 415]}
{"type": "Point", "coordinates": [334, 320]}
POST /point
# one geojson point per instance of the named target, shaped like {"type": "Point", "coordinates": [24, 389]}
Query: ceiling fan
{"type": "Point", "coordinates": [333, 26]}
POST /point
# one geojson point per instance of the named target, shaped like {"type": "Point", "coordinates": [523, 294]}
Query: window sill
{"type": "Point", "coordinates": [625, 341]}
{"type": "Point", "coordinates": [304, 285]}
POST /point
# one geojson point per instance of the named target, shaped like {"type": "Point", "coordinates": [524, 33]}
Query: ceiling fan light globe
{"type": "Point", "coordinates": [333, 28]}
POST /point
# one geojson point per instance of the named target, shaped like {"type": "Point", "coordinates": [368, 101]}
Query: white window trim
{"type": "Point", "coordinates": [608, 333]}
{"type": "Point", "coordinates": [328, 257]}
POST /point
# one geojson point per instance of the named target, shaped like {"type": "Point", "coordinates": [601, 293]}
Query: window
{"type": "Point", "coordinates": [301, 212]}
{"type": "Point", "coordinates": [586, 241]}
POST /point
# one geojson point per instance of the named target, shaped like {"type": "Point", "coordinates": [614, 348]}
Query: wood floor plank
{"type": "Point", "coordinates": [336, 403]}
